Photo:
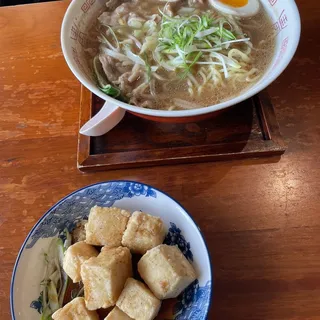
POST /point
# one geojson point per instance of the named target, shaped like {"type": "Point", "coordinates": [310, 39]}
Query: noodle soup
{"type": "Point", "coordinates": [177, 55]}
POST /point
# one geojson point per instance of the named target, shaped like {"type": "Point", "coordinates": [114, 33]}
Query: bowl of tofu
{"type": "Point", "coordinates": [113, 250]}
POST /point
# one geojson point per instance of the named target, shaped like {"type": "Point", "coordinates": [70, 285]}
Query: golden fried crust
{"type": "Point", "coordinates": [166, 271]}
{"type": "Point", "coordinates": [104, 277]}
{"type": "Point", "coordinates": [117, 314]}
{"type": "Point", "coordinates": [75, 309]}
{"type": "Point", "coordinates": [137, 301]}
{"type": "Point", "coordinates": [106, 226]}
{"type": "Point", "coordinates": [143, 232]}
{"type": "Point", "coordinates": [75, 255]}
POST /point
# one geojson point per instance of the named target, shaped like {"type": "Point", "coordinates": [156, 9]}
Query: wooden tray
{"type": "Point", "coordinates": [249, 129]}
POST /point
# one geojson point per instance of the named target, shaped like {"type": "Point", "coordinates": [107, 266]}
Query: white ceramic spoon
{"type": "Point", "coordinates": [105, 120]}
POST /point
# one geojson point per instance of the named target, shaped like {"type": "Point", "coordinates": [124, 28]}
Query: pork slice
{"type": "Point", "coordinates": [142, 102]}
{"type": "Point", "coordinates": [123, 69]}
{"type": "Point", "coordinates": [109, 68]}
{"type": "Point", "coordinates": [125, 86]}
{"type": "Point", "coordinates": [108, 19]}
{"type": "Point", "coordinates": [150, 104]}
{"type": "Point", "coordinates": [136, 73]}
{"type": "Point", "coordinates": [112, 18]}
{"type": "Point", "coordinates": [113, 4]}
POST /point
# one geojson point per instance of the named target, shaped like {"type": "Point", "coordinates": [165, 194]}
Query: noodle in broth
{"type": "Point", "coordinates": [179, 54]}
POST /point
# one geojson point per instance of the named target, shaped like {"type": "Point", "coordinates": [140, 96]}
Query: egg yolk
{"type": "Point", "coordinates": [235, 3]}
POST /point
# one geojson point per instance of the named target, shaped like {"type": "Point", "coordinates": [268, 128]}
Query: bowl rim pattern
{"type": "Point", "coordinates": [48, 212]}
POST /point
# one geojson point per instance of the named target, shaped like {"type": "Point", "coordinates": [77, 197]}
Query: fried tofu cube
{"type": "Point", "coordinates": [166, 271]}
{"type": "Point", "coordinates": [75, 255]}
{"type": "Point", "coordinates": [106, 226]}
{"type": "Point", "coordinates": [104, 277]}
{"type": "Point", "coordinates": [143, 232]}
{"type": "Point", "coordinates": [117, 314]}
{"type": "Point", "coordinates": [76, 309]}
{"type": "Point", "coordinates": [79, 232]}
{"type": "Point", "coordinates": [137, 301]}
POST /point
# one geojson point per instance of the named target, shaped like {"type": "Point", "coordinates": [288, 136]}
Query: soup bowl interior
{"type": "Point", "coordinates": [82, 14]}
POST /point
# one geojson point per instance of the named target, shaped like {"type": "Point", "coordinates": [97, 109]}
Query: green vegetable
{"type": "Point", "coordinates": [53, 297]}
{"type": "Point", "coordinates": [148, 67]}
{"type": "Point", "coordinates": [55, 280]}
{"type": "Point", "coordinates": [61, 248]}
{"type": "Point", "coordinates": [46, 314]}
{"type": "Point", "coordinates": [68, 239]}
{"type": "Point", "coordinates": [110, 91]}
{"type": "Point", "coordinates": [102, 82]}
{"type": "Point", "coordinates": [98, 72]}
{"type": "Point", "coordinates": [196, 58]}
{"type": "Point", "coordinates": [189, 39]}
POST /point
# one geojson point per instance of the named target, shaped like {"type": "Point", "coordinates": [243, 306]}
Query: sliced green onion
{"type": "Point", "coordinates": [205, 33]}
{"type": "Point", "coordinates": [197, 57]}
{"type": "Point", "coordinates": [55, 280]}
{"type": "Point", "coordinates": [148, 67]}
{"type": "Point", "coordinates": [46, 314]}
{"type": "Point", "coordinates": [102, 82]}
{"type": "Point", "coordinates": [68, 240]}
{"type": "Point", "coordinates": [114, 36]}
{"type": "Point", "coordinates": [97, 69]}
{"type": "Point", "coordinates": [53, 297]}
{"type": "Point", "coordinates": [179, 37]}
{"type": "Point", "coordinates": [111, 91]}
{"type": "Point", "coordinates": [64, 278]}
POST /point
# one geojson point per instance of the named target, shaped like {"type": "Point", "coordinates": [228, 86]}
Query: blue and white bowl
{"type": "Point", "coordinates": [193, 303]}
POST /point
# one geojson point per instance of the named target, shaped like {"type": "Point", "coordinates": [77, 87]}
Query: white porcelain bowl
{"type": "Point", "coordinates": [28, 271]}
{"type": "Point", "coordinates": [82, 13]}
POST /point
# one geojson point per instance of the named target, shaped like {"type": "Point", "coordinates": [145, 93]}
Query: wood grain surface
{"type": "Point", "coordinates": [261, 218]}
{"type": "Point", "coordinates": [247, 130]}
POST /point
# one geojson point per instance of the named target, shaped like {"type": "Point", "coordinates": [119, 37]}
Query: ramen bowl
{"type": "Point", "coordinates": [192, 303]}
{"type": "Point", "coordinates": [81, 14]}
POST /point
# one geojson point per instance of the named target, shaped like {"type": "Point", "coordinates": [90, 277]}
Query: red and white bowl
{"type": "Point", "coordinates": [81, 14]}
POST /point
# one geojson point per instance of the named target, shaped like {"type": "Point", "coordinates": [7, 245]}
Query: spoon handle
{"type": "Point", "coordinates": [105, 120]}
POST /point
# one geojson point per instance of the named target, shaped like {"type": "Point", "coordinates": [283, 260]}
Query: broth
{"type": "Point", "coordinates": [178, 55]}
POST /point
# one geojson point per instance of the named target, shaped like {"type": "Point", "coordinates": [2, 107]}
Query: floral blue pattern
{"type": "Point", "coordinates": [69, 211]}
{"type": "Point", "coordinates": [37, 304]}
{"type": "Point", "coordinates": [194, 301]}
{"type": "Point", "coordinates": [174, 237]}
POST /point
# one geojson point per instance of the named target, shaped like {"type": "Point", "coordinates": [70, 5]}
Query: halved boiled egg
{"type": "Point", "coordinates": [240, 8]}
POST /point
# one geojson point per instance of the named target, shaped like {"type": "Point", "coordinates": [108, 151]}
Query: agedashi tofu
{"type": "Point", "coordinates": [75, 256]}
{"type": "Point", "coordinates": [166, 271]}
{"type": "Point", "coordinates": [106, 226]}
{"type": "Point", "coordinates": [79, 232]}
{"type": "Point", "coordinates": [76, 309]}
{"type": "Point", "coordinates": [104, 277]}
{"type": "Point", "coordinates": [137, 301]}
{"type": "Point", "coordinates": [143, 232]}
{"type": "Point", "coordinates": [117, 314]}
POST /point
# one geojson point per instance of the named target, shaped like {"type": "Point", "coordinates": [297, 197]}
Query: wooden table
{"type": "Point", "coordinates": [261, 218]}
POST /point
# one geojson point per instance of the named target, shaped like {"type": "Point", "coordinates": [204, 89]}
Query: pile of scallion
{"type": "Point", "coordinates": [55, 280]}
{"type": "Point", "coordinates": [195, 40]}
